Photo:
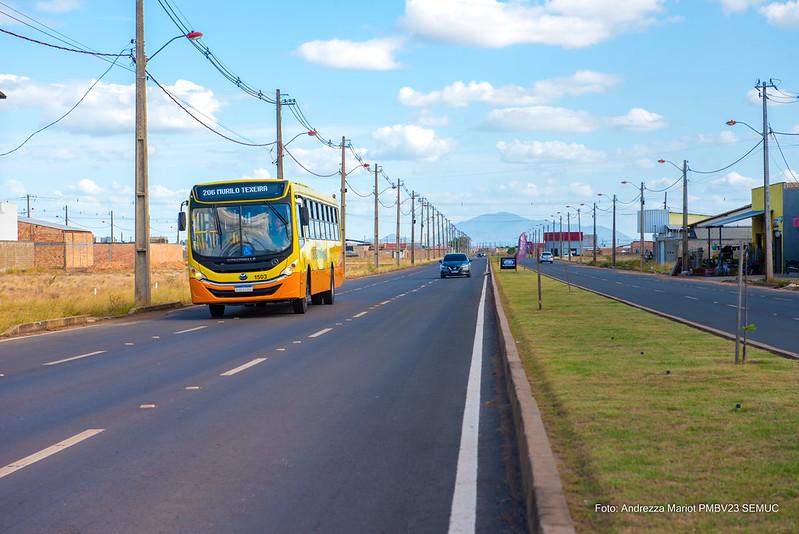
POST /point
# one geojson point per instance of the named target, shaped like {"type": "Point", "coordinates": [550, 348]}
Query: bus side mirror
{"type": "Point", "coordinates": [182, 221]}
{"type": "Point", "coordinates": [305, 217]}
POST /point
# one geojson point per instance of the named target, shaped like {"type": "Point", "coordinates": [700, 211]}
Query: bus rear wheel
{"type": "Point", "coordinates": [216, 310]}
{"type": "Point", "coordinates": [329, 297]}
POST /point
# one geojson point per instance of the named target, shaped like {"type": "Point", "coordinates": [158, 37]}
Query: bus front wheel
{"type": "Point", "coordinates": [216, 310]}
{"type": "Point", "coordinates": [301, 305]}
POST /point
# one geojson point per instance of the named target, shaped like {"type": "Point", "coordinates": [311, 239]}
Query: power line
{"type": "Point", "coordinates": [787, 167]}
{"type": "Point", "coordinates": [76, 50]}
{"type": "Point", "coordinates": [306, 169]}
{"type": "Point", "coordinates": [82, 98]}
{"type": "Point", "coordinates": [731, 164]}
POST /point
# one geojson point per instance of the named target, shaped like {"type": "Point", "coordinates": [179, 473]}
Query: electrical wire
{"type": "Point", "coordinates": [731, 164]}
{"type": "Point", "coordinates": [70, 110]}
{"type": "Point", "coordinates": [67, 49]}
{"type": "Point", "coordinates": [678, 180]}
{"type": "Point", "coordinates": [784, 133]}
{"type": "Point", "coordinates": [197, 119]}
{"type": "Point", "coordinates": [306, 169]}
{"type": "Point", "coordinates": [349, 186]}
{"type": "Point", "coordinates": [787, 167]}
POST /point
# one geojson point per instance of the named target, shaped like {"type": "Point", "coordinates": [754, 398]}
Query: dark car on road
{"type": "Point", "coordinates": [456, 265]}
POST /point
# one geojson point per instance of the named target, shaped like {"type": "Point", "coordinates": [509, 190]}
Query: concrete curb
{"type": "Point", "coordinates": [49, 324]}
{"type": "Point", "coordinates": [156, 307]}
{"type": "Point", "coordinates": [544, 501]}
{"type": "Point", "coordinates": [709, 329]}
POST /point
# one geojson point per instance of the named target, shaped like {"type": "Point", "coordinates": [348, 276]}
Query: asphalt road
{"type": "Point", "coordinates": [348, 419]}
{"type": "Point", "coordinates": [775, 313]}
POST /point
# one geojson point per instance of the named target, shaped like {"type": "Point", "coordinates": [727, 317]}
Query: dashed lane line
{"type": "Point", "coordinates": [79, 357]}
{"type": "Point", "coordinates": [320, 333]}
{"type": "Point", "coordinates": [49, 451]}
{"type": "Point", "coordinates": [190, 329]}
{"type": "Point", "coordinates": [359, 314]}
{"type": "Point", "coordinates": [690, 297]}
{"type": "Point", "coordinates": [241, 368]}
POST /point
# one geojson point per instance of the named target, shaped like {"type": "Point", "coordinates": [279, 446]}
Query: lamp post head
{"type": "Point", "coordinates": [194, 35]}
{"type": "Point", "coordinates": [661, 161]}
{"type": "Point", "coordinates": [731, 122]}
{"type": "Point", "coordinates": [311, 132]}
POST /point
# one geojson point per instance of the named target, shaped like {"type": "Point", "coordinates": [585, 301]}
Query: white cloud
{"type": "Point", "coordinates": [516, 188]}
{"type": "Point", "coordinates": [639, 119]}
{"type": "Point", "coordinates": [109, 108]}
{"type": "Point", "coordinates": [461, 94]}
{"type": "Point", "coordinates": [58, 6]}
{"type": "Point", "coordinates": [782, 14]}
{"type": "Point", "coordinates": [532, 151]}
{"type": "Point", "coordinates": [409, 141]}
{"type": "Point", "coordinates": [581, 189]}
{"type": "Point", "coordinates": [89, 187]}
{"type": "Point", "coordinates": [426, 118]}
{"type": "Point", "coordinates": [495, 24]}
{"type": "Point", "coordinates": [735, 179]}
{"type": "Point", "coordinates": [738, 6]}
{"type": "Point", "coordinates": [374, 54]}
{"type": "Point", "coordinates": [258, 174]}
{"type": "Point", "coordinates": [541, 118]}
{"type": "Point", "coordinates": [724, 137]}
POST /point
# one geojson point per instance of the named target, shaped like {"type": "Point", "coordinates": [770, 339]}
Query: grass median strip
{"type": "Point", "coordinates": [642, 410]}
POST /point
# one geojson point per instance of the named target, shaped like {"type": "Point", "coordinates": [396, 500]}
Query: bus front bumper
{"type": "Point", "coordinates": [280, 288]}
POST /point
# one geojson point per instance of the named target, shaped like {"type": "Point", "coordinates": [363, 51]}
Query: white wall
{"type": "Point", "coordinates": [8, 221]}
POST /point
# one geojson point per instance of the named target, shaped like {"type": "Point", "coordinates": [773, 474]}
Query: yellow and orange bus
{"type": "Point", "coordinates": [253, 241]}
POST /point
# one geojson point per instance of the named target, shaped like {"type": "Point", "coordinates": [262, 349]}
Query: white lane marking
{"type": "Point", "coordinates": [384, 302]}
{"type": "Point", "coordinates": [783, 299]}
{"type": "Point", "coordinates": [156, 337]}
{"type": "Point", "coordinates": [339, 324]}
{"type": "Point", "coordinates": [192, 388]}
{"type": "Point", "coordinates": [735, 306]}
{"type": "Point", "coordinates": [463, 514]}
{"type": "Point", "coordinates": [146, 406]}
{"type": "Point", "coordinates": [690, 297]}
{"type": "Point", "coordinates": [190, 330]}
{"type": "Point", "coordinates": [129, 344]}
{"type": "Point", "coordinates": [360, 314]}
{"type": "Point", "coordinates": [321, 332]}
{"type": "Point", "coordinates": [49, 451]}
{"type": "Point", "coordinates": [297, 342]}
{"type": "Point", "coordinates": [619, 283]}
{"type": "Point", "coordinates": [95, 353]}
{"type": "Point", "coordinates": [659, 291]}
{"type": "Point", "coordinates": [241, 368]}
{"type": "Point", "coordinates": [281, 349]}
{"type": "Point", "coordinates": [637, 287]}
{"type": "Point", "coordinates": [795, 319]}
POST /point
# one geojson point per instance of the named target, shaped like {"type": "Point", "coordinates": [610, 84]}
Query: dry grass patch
{"type": "Point", "coordinates": [641, 410]}
{"type": "Point", "coordinates": [359, 267]}
{"type": "Point", "coordinates": [39, 295]}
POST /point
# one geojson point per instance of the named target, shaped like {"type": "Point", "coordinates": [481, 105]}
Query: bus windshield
{"type": "Point", "coordinates": [238, 231]}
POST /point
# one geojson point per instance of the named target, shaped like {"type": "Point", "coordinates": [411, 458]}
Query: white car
{"type": "Point", "coordinates": [546, 257]}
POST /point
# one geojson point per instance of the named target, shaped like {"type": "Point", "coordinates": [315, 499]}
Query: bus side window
{"type": "Point", "coordinates": [336, 226]}
{"type": "Point", "coordinates": [302, 231]}
{"type": "Point", "coordinates": [328, 221]}
{"type": "Point", "coordinates": [312, 208]}
{"type": "Point", "coordinates": [318, 223]}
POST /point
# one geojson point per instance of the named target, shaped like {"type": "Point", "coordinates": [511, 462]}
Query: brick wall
{"type": "Point", "coordinates": [16, 255]}
{"type": "Point", "coordinates": [119, 255]}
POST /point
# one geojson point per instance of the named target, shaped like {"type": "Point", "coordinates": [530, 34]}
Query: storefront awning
{"type": "Point", "coordinates": [740, 216]}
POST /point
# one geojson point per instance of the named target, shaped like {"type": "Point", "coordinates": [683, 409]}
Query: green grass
{"type": "Point", "coordinates": [642, 410]}
{"type": "Point", "coordinates": [632, 263]}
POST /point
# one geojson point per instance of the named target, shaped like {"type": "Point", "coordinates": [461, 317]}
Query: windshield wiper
{"type": "Point", "coordinates": [279, 216]}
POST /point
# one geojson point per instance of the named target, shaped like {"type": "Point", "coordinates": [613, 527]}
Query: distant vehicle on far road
{"type": "Point", "coordinates": [456, 265]}
{"type": "Point", "coordinates": [481, 254]}
{"type": "Point", "coordinates": [546, 257]}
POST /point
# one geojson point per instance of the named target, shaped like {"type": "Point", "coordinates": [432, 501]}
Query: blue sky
{"type": "Point", "coordinates": [480, 105]}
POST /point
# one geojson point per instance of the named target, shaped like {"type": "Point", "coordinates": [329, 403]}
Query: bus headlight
{"type": "Point", "coordinates": [288, 271]}
{"type": "Point", "coordinates": [197, 274]}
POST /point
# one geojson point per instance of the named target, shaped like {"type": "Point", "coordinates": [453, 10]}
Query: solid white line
{"type": "Point", "coordinates": [49, 451]}
{"type": "Point", "coordinates": [384, 302]}
{"type": "Point", "coordinates": [659, 291]}
{"type": "Point", "coordinates": [321, 332]}
{"type": "Point", "coordinates": [463, 515]}
{"type": "Point", "coordinates": [690, 297]}
{"type": "Point", "coordinates": [241, 368]}
{"type": "Point", "coordinates": [735, 306]}
{"type": "Point", "coordinates": [360, 314]}
{"type": "Point", "coordinates": [95, 353]}
{"type": "Point", "coordinates": [190, 330]}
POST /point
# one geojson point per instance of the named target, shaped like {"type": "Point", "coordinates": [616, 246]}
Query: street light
{"type": "Point", "coordinates": [141, 292]}
{"type": "Point", "coordinates": [767, 221]}
{"type": "Point", "coordinates": [640, 219]}
{"type": "Point", "coordinates": [309, 133]}
{"type": "Point", "coordinates": [579, 230]}
{"type": "Point", "coordinates": [613, 239]}
{"type": "Point", "coordinates": [684, 169]}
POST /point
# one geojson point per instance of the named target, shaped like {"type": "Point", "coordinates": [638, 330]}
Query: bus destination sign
{"type": "Point", "coordinates": [231, 192]}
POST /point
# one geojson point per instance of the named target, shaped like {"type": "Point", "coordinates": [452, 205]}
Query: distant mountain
{"type": "Point", "coordinates": [505, 227]}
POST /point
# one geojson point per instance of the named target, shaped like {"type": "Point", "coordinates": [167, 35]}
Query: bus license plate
{"type": "Point", "coordinates": [244, 289]}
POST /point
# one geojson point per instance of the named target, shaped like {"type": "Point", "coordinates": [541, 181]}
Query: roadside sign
{"type": "Point", "coordinates": [507, 263]}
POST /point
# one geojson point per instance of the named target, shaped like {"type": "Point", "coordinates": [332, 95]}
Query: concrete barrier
{"type": "Point", "coordinates": [49, 324]}
{"type": "Point", "coordinates": [545, 503]}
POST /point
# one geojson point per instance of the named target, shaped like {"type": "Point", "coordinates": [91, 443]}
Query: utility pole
{"type": "Point", "coordinates": [343, 210]}
{"type": "Point", "coordinates": [569, 233]}
{"type": "Point", "coordinates": [142, 296]}
{"type": "Point", "coordinates": [279, 128]}
{"type": "Point", "coordinates": [613, 249]}
{"type": "Point", "coordinates": [594, 233]}
{"type": "Point", "coordinates": [427, 203]}
{"type": "Point", "coordinates": [580, 234]}
{"type": "Point", "coordinates": [685, 253]}
{"type": "Point", "coordinates": [112, 228]}
{"type": "Point", "coordinates": [560, 251]}
{"type": "Point", "coordinates": [413, 228]}
{"type": "Point", "coordinates": [28, 210]}
{"type": "Point", "coordinates": [66, 215]}
{"type": "Point", "coordinates": [767, 230]}
{"type": "Point", "coordinates": [399, 185]}
{"type": "Point", "coordinates": [377, 239]}
{"type": "Point", "coordinates": [641, 217]}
